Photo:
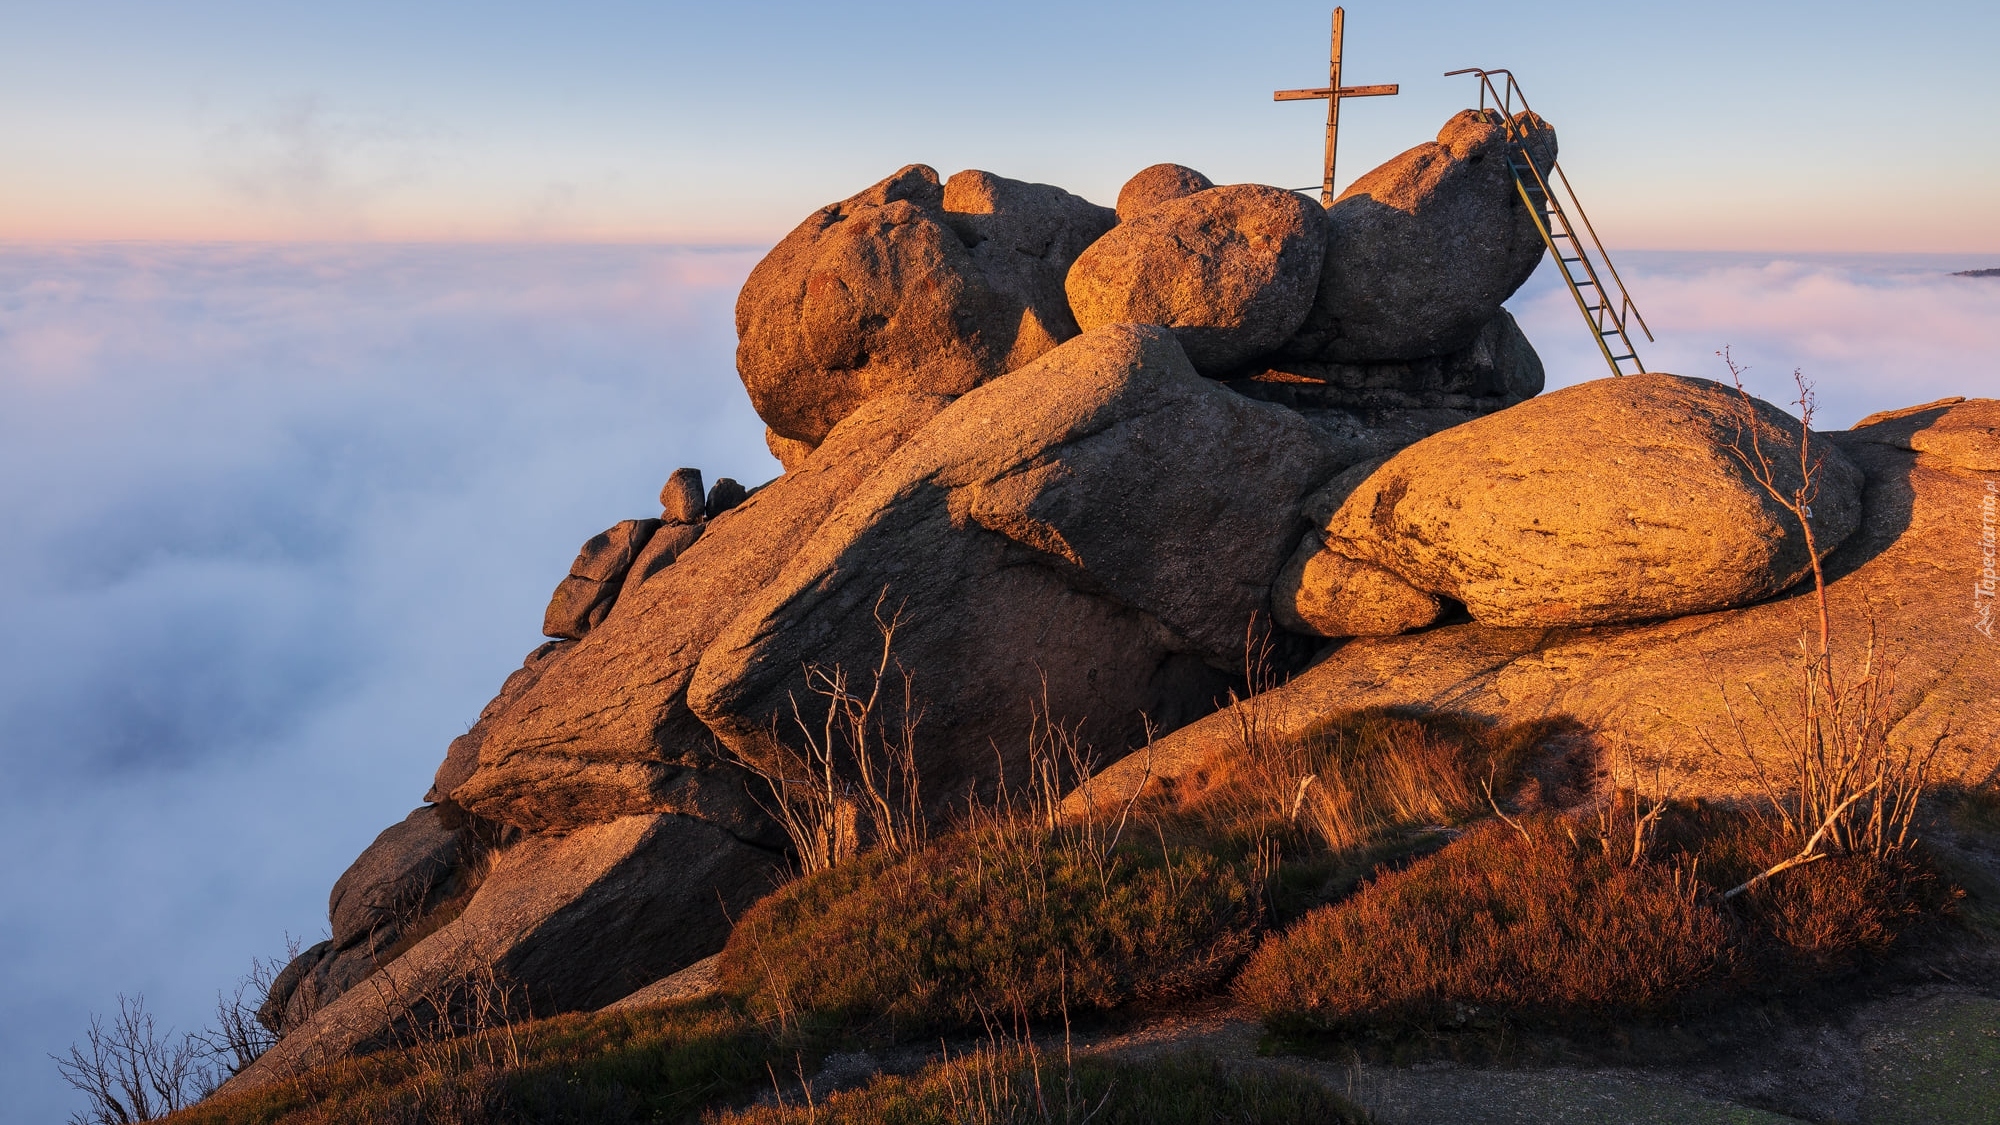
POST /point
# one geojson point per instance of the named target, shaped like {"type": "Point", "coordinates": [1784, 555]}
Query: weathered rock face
{"type": "Point", "coordinates": [274, 1012]}
{"type": "Point", "coordinates": [1952, 432]}
{"type": "Point", "coordinates": [1232, 270]}
{"type": "Point", "coordinates": [1022, 238]}
{"type": "Point", "coordinates": [1103, 520]}
{"type": "Point", "coordinates": [405, 870]}
{"type": "Point", "coordinates": [907, 288]}
{"type": "Point", "coordinates": [572, 922]}
{"type": "Point", "coordinates": [790, 452]}
{"type": "Point", "coordinates": [1160, 183]}
{"type": "Point", "coordinates": [585, 596]}
{"type": "Point", "coordinates": [1323, 593]}
{"type": "Point", "coordinates": [1422, 250]}
{"type": "Point", "coordinates": [1654, 694]}
{"type": "Point", "coordinates": [389, 895]}
{"type": "Point", "coordinates": [605, 732]}
{"type": "Point", "coordinates": [664, 549]}
{"type": "Point", "coordinates": [1498, 369]}
{"type": "Point", "coordinates": [1617, 500]}
{"type": "Point", "coordinates": [461, 758]}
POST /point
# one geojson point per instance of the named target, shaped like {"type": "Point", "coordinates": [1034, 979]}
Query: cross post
{"type": "Point", "coordinates": [1332, 92]}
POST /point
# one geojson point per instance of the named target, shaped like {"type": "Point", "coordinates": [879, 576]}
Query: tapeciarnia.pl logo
{"type": "Point", "coordinates": [1987, 584]}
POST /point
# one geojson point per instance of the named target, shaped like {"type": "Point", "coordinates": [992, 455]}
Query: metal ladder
{"type": "Point", "coordinates": [1551, 213]}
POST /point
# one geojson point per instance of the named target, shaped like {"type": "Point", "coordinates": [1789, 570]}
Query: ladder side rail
{"type": "Point", "coordinates": [1589, 267]}
{"type": "Point", "coordinates": [1504, 100]}
{"type": "Point", "coordinates": [1541, 227]}
{"type": "Point", "coordinates": [1608, 263]}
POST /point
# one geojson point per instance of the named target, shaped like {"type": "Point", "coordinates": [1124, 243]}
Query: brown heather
{"type": "Point", "coordinates": [1495, 920]}
{"type": "Point", "coordinates": [1003, 919]}
{"type": "Point", "coordinates": [1540, 919]}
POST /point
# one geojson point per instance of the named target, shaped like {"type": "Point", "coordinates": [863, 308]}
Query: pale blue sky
{"type": "Point", "coordinates": [1734, 126]}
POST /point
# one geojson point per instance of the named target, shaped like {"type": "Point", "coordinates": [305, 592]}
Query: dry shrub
{"type": "Point", "coordinates": [1017, 1086]}
{"type": "Point", "coordinates": [1814, 920]}
{"type": "Point", "coordinates": [1003, 918]}
{"type": "Point", "coordinates": [854, 786]}
{"type": "Point", "coordinates": [1525, 924]}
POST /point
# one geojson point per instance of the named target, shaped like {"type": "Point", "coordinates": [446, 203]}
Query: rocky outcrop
{"type": "Point", "coordinates": [1682, 695]}
{"type": "Point", "coordinates": [605, 731]}
{"type": "Point", "coordinates": [910, 287]}
{"type": "Point", "coordinates": [1422, 250]}
{"type": "Point", "coordinates": [725, 495]}
{"type": "Point", "coordinates": [561, 924]}
{"type": "Point", "coordinates": [584, 598]}
{"type": "Point", "coordinates": [1157, 184]}
{"type": "Point", "coordinates": [682, 499]}
{"type": "Point", "coordinates": [1091, 535]}
{"type": "Point", "coordinates": [1232, 270]}
{"type": "Point", "coordinates": [1617, 500]}
{"type": "Point", "coordinates": [391, 894]}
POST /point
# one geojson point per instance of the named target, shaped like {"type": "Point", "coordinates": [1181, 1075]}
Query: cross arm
{"type": "Point", "coordinates": [1330, 92]}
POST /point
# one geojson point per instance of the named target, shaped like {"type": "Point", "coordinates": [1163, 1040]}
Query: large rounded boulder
{"type": "Point", "coordinates": [910, 287]}
{"type": "Point", "coordinates": [1231, 270]}
{"type": "Point", "coordinates": [1421, 251]}
{"type": "Point", "coordinates": [1157, 184]}
{"type": "Point", "coordinates": [1622, 499]}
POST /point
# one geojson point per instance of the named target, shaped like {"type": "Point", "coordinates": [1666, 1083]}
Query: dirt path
{"type": "Point", "coordinates": [1932, 1058]}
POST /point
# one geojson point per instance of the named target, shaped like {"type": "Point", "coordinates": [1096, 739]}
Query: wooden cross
{"type": "Point", "coordinates": [1333, 92]}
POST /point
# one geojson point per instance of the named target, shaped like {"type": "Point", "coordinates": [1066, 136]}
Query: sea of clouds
{"type": "Point", "coordinates": [279, 518]}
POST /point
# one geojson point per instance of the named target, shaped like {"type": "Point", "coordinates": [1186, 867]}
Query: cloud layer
{"type": "Point", "coordinates": [1871, 333]}
{"type": "Point", "coordinates": [280, 518]}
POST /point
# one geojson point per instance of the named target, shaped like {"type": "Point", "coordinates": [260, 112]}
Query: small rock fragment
{"type": "Point", "coordinates": [725, 495]}
{"type": "Point", "coordinates": [681, 497]}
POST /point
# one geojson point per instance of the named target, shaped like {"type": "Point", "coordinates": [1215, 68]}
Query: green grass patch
{"type": "Point", "coordinates": [657, 1064]}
